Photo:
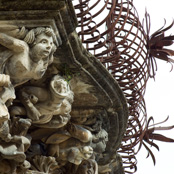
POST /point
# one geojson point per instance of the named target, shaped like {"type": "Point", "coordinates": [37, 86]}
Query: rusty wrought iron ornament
{"type": "Point", "coordinates": [111, 30]}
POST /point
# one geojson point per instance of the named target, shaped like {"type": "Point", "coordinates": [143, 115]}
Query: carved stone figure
{"type": "Point", "coordinates": [22, 60]}
{"type": "Point", "coordinates": [50, 107]}
{"type": "Point", "coordinates": [99, 141]}
{"type": "Point", "coordinates": [69, 145]}
{"type": "Point", "coordinates": [14, 150]}
{"type": "Point", "coordinates": [30, 56]}
{"type": "Point", "coordinates": [75, 155]}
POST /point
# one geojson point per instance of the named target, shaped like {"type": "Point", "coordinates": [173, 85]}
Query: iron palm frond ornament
{"type": "Point", "coordinates": [148, 136]}
{"type": "Point", "coordinates": [156, 44]}
{"type": "Point", "coordinates": [112, 32]}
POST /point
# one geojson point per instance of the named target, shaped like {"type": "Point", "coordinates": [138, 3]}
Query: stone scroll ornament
{"type": "Point", "coordinates": [36, 134]}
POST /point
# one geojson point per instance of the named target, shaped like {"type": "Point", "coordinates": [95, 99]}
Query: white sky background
{"type": "Point", "coordinates": [159, 93]}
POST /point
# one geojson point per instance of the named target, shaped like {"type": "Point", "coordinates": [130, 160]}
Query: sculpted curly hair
{"type": "Point", "coordinates": [31, 36]}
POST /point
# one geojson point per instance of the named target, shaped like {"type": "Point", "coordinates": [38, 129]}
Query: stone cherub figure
{"type": "Point", "coordinates": [47, 107]}
{"type": "Point", "coordinates": [28, 58]}
{"type": "Point", "coordinates": [24, 55]}
{"type": "Point", "coordinates": [69, 152]}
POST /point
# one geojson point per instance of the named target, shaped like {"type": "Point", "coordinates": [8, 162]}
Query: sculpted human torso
{"type": "Point", "coordinates": [29, 63]}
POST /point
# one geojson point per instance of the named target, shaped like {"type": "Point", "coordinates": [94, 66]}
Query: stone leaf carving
{"type": "Point", "coordinates": [44, 164]}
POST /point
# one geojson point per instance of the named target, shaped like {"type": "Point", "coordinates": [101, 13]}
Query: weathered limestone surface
{"type": "Point", "coordinates": [60, 109]}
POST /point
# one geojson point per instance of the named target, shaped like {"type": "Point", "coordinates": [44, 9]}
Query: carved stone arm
{"type": "Point", "coordinates": [12, 43]}
{"type": "Point", "coordinates": [32, 111]}
{"type": "Point", "coordinates": [40, 93]}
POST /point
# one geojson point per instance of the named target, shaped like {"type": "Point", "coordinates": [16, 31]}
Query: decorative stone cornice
{"type": "Point", "coordinates": [62, 108]}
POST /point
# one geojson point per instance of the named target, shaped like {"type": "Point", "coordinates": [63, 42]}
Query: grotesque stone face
{"type": "Point", "coordinates": [101, 145]}
{"type": "Point", "coordinates": [42, 48]}
{"type": "Point", "coordinates": [87, 152]}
